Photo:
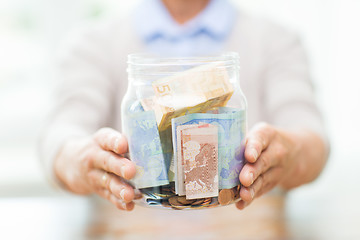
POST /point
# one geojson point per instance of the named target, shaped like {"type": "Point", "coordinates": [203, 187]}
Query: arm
{"type": "Point", "coordinates": [75, 158]}
{"type": "Point", "coordinates": [291, 148]}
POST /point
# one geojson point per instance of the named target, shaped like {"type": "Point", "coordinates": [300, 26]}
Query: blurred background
{"type": "Point", "coordinates": [30, 34]}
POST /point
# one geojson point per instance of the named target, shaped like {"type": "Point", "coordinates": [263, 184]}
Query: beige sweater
{"type": "Point", "coordinates": [274, 77]}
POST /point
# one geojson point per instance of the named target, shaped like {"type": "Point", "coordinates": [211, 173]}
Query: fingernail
{"type": "Point", "coordinates": [122, 193]}
{"type": "Point", "coordinates": [251, 176]}
{"type": "Point", "coordinates": [122, 171]}
{"type": "Point", "coordinates": [252, 192]}
{"type": "Point", "coordinates": [122, 203]}
{"type": "Point", "coordinates": [254, 153]}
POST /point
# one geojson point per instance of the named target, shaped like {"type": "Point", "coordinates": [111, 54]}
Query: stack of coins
{"type": "Point", "coordinates": [180, 202]}
{"type": "Point", "coordinates": [165, 196]}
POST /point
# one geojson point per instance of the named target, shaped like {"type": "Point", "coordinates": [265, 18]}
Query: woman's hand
{"type": "Point", "coordinates": [271, 156]}
{"type": "Point", "coordinates": [97, 165]}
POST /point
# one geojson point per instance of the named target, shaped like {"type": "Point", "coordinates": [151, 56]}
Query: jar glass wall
{"type": "Point", "coordinates": [185, 121]}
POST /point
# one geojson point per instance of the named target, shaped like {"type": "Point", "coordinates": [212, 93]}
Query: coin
{"type": "Point", "coordinates": [237, 191]}
{"type": "Point", "coordinates": [174, 202]}
{"type": "Point", "coordinates": [197, 207]}
{"type": "Point", "coordinates": [226, 196]}
{"type": "Point", "coordinates": [198, 201]}
{"type": "Point", "coordinates": [184, 201]}
{"type": "Point", "coordinates": [165, 203]}
{"type": "Point", "coordinates": [207, 201]}
{"type": "Point", "coordinates": [164, 194]}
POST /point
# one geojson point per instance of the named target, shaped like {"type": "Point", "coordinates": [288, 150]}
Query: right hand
{"type": "Point", "coordinates": [97, 164]}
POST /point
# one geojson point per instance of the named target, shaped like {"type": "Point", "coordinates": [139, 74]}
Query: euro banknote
{"type": "Point", "coordinates": [231, 125]}
{"type": "Point", "coordinates": [145, 149]}
{"type": "Point", "coordinates": [192, 91]}
{"type": "Point", "coordinates": [199, 158]}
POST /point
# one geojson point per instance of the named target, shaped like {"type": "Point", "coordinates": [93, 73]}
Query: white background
{"type": "Point", "coordinates": [31, 31]}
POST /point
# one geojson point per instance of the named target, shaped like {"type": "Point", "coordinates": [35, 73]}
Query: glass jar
{"type": "Point", "coordinates": [185, 122]}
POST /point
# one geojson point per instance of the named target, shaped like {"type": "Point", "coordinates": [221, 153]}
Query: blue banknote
{"type": "Point", "coordinates": [232, 128]}
{"type": "Point", "coordinates": [145, 148]}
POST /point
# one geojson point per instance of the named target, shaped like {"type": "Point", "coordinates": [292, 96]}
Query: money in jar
{"type": "Point", "coordinates": [185, 122]}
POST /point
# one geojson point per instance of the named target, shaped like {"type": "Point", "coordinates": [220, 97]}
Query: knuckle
{"type": "Point", "coordinates": [261, 183]}
{"type": "Point", "coordinates": [93, 178]}
{"type": "Point", "coordinates": [86, 158]}
{"type": "Point", "coordinates": [114, 187]}
{"type": "Point", "coordinates": [100, 133]}
{"type": "Point", "coordinates": [103, 159]}
{"type": "Point", "coordinates": [264, 130]}
{"type": "Point", "coordinates": [261, 139]}
{"type": "Point", "coordinates": [105, 182]}
{"type": "Point", "coordinates": [106, 194]}
{"type": "Point", "coordinates": [262, 125]}
{"type": "Point", "coordinates": [280, 151]}
{"type": "Point", "coordinates": [265, 161]}
{"type": "Point", "coordinates": [104, 135]}
{"type": "Point", "coordinates": [107, 162]}
{"type": "Point", "coordinates": [264, 182]}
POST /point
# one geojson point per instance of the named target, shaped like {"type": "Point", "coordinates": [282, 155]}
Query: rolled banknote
{"type": "Point", "coordinates": [145, 149]}
{"type": "Point", "coordinates": [231, 125]}
{"type": "Point", "coordinates": [199, 157]}
{"type": "Point", "coordinates": [193, 91]}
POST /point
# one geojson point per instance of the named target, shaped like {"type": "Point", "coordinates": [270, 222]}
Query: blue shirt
{"type": "Point", "coordinates": [205, 34]}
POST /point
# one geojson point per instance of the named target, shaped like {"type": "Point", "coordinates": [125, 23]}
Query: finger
{"type": "Point", "coordinates": [111, 140]}
{"type": "Point", "coordinates": [241, 204]}
{"type": "Point", "coordinates": [262, 185]}
{"type": "Point", "coordinates": [258, 140]}
{"type": "Point", "coordinates": [251, 171]}
{"type": "Point", "coordinates": [115, 185]}
{"type": "Point", "coordinates": [120, 204]}
{"type": "Point", "coordinates": [113, 163]}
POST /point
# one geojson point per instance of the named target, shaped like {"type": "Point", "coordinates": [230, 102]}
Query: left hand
{"type": "Point", "coordinates": [270, 158]}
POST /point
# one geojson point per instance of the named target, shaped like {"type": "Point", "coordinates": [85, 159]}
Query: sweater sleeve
{"type": "Point", "coordinates": [83, 99]}
{"type": "Point", "coordinates": [288, 92]}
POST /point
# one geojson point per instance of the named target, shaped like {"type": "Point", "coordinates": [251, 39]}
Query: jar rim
{"type": "Point", "coordinates": [148, 59]}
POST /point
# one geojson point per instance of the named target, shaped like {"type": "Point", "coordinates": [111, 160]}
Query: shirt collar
{"type": "Point", "coordinates": [152, 20]}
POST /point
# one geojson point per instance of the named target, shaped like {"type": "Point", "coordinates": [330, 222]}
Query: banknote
{"type": "Point", "coordinates": [179, 169]}
{"type": "Point", "coordinates": [145, 149]}
{"type": "Point", "coordinates": [147, 103]}
{"type": "Point", "coordinates": [231, 125]}
{"type": "Point", "coordinates": [199, 157]}
{"type": "Point", "coordinates": [196, 90]}
{"type": "Point", "coordinates": [167, 148]}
